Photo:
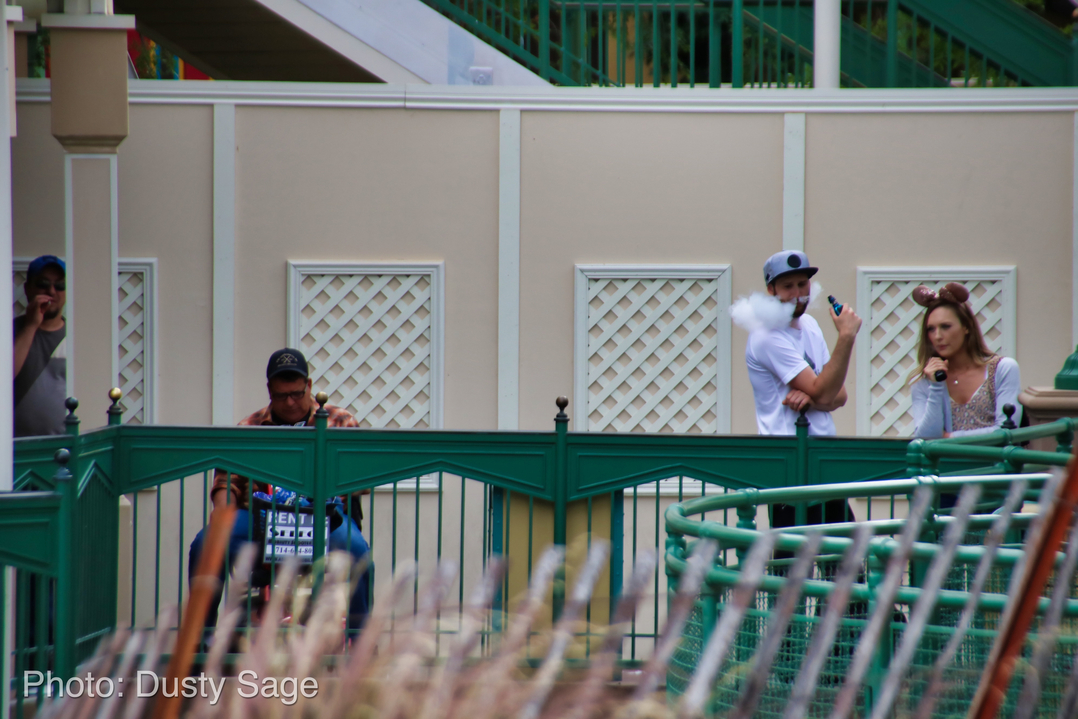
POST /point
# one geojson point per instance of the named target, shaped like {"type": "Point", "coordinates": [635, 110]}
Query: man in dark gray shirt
{"type": "Point", "coordinates": [40, 351]}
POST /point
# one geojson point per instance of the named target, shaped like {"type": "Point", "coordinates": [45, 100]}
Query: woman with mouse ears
{"type": "Point", "coordinates": [958, 386]}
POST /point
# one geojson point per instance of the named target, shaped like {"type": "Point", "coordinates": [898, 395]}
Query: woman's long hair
{"type": "Point", "coordinates": [975, 345]}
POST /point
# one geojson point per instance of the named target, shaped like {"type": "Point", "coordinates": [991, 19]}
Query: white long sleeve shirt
{"type": "Point", "coordinates": [932, 403]}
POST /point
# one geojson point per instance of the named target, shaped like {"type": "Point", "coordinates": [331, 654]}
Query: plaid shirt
{"type": "Point", "coordinates": [338, 417]}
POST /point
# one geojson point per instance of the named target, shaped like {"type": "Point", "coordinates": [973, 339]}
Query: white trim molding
{"type": "Point", "coordinates": [1074, 239]}
{"type": "Point", "coordinates": [224, 263]}
{"type": "Point", "coordinates": [69, 252]}
{"type": "Point", "coordinates": [374, 335]}
{"type": "Point", "coordinates": [793, 181]}
{"type": "Point", "coordinates": [509, 270]}
{"type": "Point", "coordinates": [584, 99]}
{"type": "Point", "coordinates": [655, 341]}
{"type": "Point", "coordinates": [887, 342]}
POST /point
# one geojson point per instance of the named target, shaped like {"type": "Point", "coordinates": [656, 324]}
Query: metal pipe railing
{"type": "Point", "coordinates": [528, 485]}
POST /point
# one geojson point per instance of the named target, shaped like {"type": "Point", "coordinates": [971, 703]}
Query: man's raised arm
{"type": "Point", "coordinates": [825, 388]}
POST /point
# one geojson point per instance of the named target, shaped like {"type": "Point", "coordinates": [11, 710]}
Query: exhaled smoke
{"type": "Point", "coordinates": [763, 311]}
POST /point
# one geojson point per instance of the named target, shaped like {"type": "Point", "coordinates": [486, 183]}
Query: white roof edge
{"type": "Point", "coordinates": [583, 99]}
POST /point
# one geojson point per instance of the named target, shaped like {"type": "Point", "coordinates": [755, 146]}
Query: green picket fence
{"type": "Point", "coordinates": [769, 43]}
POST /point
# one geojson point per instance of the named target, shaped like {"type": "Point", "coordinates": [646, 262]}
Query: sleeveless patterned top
{"type": "Point", "coordinates": [980, 411]}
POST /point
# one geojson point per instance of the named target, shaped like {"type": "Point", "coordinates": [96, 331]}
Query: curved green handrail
{"type": "Point", "coordinates": [681, 524]}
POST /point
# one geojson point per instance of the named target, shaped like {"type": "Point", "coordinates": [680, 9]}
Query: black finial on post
{"type": "Point", "coordinates": [802, 420]}
{"type": "Point", "coordinates": [1009, 410]}
{"type": "Point", "coordinates": [562, 403]}
{"type": "Point", "coordinates": [321, 398]}
{"type": "Point", "coordinates": [62, 457]}
{"type": "Point", "coordinates": [71, 420]}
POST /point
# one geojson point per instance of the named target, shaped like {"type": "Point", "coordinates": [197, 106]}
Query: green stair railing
{"type": "Point", "coordinates": [768, 43]}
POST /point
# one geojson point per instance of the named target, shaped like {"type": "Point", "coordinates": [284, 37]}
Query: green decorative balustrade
{"type": "Point", "coordinates": [883, 506]}
{"type": "Point", "coordinates": [101, 521]}
{"type": "Point", "coordinates": [758, 43]}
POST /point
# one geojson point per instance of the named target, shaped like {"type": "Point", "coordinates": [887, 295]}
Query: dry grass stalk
{"type": "Point", "coordinates": [926, 603]}
{"type": "Point", "coordinates": [565, 628]}
{"type": "Point", "coordinates": [490, 685]}
{"type": "Point", "coordinates": [776, 630]}
{"type": "Point", "coordinates": [824, 636]}
{"type": "Point", "coordinates": [700, 561]}
{"type": "Point", "coordinates": [404, 677]}
{"type": "Point", "coordinates": [588, 698]}
{"type": "Point", "coordinates": [995, 537]}
{"type": "Point", "coordinates": [885, 598]}
{"type": "Point", "coordinates": [696, 696]}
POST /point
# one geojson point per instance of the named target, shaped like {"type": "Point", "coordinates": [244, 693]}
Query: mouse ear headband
{"type": "Point", "coordinates": [951, 292]}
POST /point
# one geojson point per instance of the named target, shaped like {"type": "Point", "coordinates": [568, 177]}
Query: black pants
{"type": "Point", "coordinates": [832, 511]}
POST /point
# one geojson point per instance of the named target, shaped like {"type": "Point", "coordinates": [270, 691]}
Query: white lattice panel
{"type": "Point", "coordinates": [134, 333]}
{"type": "Point", "coordinates": [18, 301]}
{"type": "Point", "coordinates": [888, 340]}
{"type": "Point", "coordinates": [131, 327]}
{"type": "Point", "coordinates": [652, 360]}
{"type": "Point", "coordinates": [372, 338]}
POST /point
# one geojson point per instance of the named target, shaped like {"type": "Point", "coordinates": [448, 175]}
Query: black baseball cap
{"type": "Point", "coordinates": [288, 361]}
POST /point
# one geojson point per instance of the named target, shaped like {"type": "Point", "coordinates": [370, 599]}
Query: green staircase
{"type": "Point", "coordinates": [758, 43]}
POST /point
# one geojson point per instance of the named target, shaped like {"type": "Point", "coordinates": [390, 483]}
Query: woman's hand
{"type": "Point", "coordinates": [934, 365]}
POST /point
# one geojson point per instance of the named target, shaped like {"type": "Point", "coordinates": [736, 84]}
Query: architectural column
{"type": "Point", "coordinates": [89, 118]}
{"type": "Point", "coordinates": [826, 41]}
{"type": "Point", "coordinates": [9, 16]}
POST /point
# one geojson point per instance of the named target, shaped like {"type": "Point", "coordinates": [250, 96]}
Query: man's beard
{"type": "Point", "coordinates": [801, 306]}
{"type": "Point", "coordinates": [52, 314]}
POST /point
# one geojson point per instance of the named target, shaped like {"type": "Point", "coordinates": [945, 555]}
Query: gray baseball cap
{"type": "Point", "coordinates": [785, 262]}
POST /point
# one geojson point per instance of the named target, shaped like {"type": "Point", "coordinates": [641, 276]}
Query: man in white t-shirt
{"type": "Point", "coordinates": [789, 365]}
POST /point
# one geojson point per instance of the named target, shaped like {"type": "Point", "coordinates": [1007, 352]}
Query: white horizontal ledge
{"type": "Point", "coordinates": [93, 21]}
{"type": "Point", "coordinates": [585, 99]}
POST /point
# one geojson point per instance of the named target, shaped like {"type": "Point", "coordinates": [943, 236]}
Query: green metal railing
{"type": "Point", "coordinates": [882, 506]}
{"type": "Point", "coordinates": [101, 539]}
{"type": "Point", "coordinates": [434, 494]}
{"type": "Point", "coordinates": [758, 43]}
{"type": "Point", "coordinates": [963, 673]}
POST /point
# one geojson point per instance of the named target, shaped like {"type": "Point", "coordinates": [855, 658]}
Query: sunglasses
{"type": "Point", "coordinates": [45, 285]}
{"type": "Point", "coordinates": [283, 396]}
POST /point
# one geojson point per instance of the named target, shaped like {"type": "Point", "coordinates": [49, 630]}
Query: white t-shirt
{"type": "Point", "coordinates": [774, 358]}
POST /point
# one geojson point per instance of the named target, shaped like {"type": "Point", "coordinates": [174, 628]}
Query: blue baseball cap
{"type": "Point", "coordinates": [787, 262]}
{"type": "Point", "coordinates": [45, 261]}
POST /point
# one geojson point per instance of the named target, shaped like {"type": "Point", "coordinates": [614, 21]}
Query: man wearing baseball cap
{"type": "Point", "coordinates": [291, 405]}
{"type": "Point", "coordinates": [40, 363]}
{"type": "Point", "coordinates": [789, 365]}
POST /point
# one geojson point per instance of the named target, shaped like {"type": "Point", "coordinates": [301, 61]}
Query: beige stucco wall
{"type": "Point", "coordinates": [37, 187]}
{"type": "Point", "coordinates": [166, 211]}
{"type": "Point", "coordinates": [421, 185]}
{"type": "Point", "coordinates": [947, 190]}
{"type": "Point", "coordinates": [637, 188]}
{"type": "Point", "coordinates": [384, 185]}
{"type": "Point", "coordinates": [370, 186]}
